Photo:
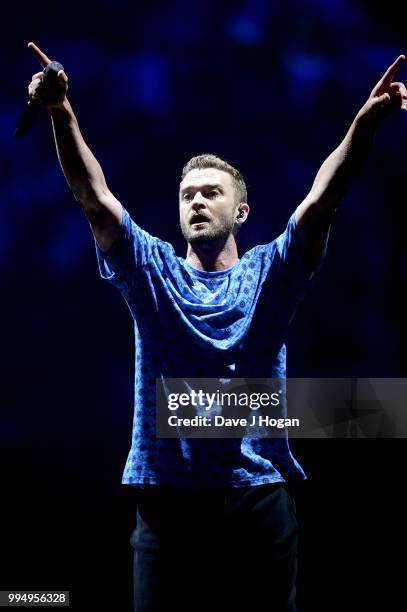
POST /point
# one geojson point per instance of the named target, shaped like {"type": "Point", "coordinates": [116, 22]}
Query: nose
{"type": "Point", "coordinates": [198, 201]}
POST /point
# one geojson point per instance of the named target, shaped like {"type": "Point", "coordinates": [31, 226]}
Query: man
{"type": "Point", "coordinates": [213, 515]}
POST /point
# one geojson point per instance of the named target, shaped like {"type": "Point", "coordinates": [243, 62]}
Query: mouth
{"type": "Point", "coordinates": [198, 219]}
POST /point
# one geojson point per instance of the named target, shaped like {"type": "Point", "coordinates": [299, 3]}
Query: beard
{"type": "Point", "coordinates": [215, 230]}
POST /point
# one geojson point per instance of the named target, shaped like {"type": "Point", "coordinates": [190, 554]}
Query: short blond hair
{"type": "Point", "coordinates": [208, 160]}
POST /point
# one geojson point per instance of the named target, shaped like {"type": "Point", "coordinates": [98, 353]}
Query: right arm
{"type": "Point", "coordinates": [80, 167]}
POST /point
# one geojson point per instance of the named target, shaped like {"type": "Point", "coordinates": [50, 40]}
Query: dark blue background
{"type": "Point", "coordinates": [272, 87]}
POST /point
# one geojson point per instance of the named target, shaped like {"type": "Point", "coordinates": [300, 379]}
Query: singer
{"type": "Point", "coordinates": [214, 516]}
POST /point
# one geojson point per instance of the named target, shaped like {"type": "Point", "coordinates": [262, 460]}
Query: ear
{"type": "Point", "coordinates": [242, 212]}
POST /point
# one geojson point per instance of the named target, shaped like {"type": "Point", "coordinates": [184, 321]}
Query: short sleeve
{"type": "Point", "coordinates": [290, 254]}
{"type": "Point", "coordinates": [131, 250]}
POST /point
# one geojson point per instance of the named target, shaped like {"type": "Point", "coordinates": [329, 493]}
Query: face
{"type": "Point", "coordinates": [207, 205]}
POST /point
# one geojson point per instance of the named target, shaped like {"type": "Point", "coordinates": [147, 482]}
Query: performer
{"type": "Point", "coordinates": [214, 516]}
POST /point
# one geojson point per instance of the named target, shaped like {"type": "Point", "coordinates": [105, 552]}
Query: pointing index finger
{"type": "Point", "coordinates": [391, 70]}
{"type": "Point", "coordinates": [41, 57]}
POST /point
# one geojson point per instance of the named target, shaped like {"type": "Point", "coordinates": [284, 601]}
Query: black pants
{"type": "Point", "coordinates": [231, 550]}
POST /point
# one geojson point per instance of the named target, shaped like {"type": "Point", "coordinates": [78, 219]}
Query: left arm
{"type": "Point", "coordinates": [314, 214]}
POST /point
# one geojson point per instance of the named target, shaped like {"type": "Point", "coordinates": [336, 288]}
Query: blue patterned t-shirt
{"type": "Point", "coordinates": [190, 323]}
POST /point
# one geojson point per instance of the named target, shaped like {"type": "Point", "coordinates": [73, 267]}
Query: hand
{"type": "Point", "coordinates": [37, 90]}
{"type": "Point", "coordinates": [386, 96]}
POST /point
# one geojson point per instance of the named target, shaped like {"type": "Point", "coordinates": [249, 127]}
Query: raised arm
{"type": "Point", "coordinates": [80, 167]}
{"type": "Point", "coordinates": [314, 214]}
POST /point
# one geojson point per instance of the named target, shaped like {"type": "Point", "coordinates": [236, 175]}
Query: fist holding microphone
{"type": "Point", "coordinates": [46, 90]}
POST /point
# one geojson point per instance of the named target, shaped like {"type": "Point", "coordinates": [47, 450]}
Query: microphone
{"type": "Point", "coordinates": [32, 110]}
